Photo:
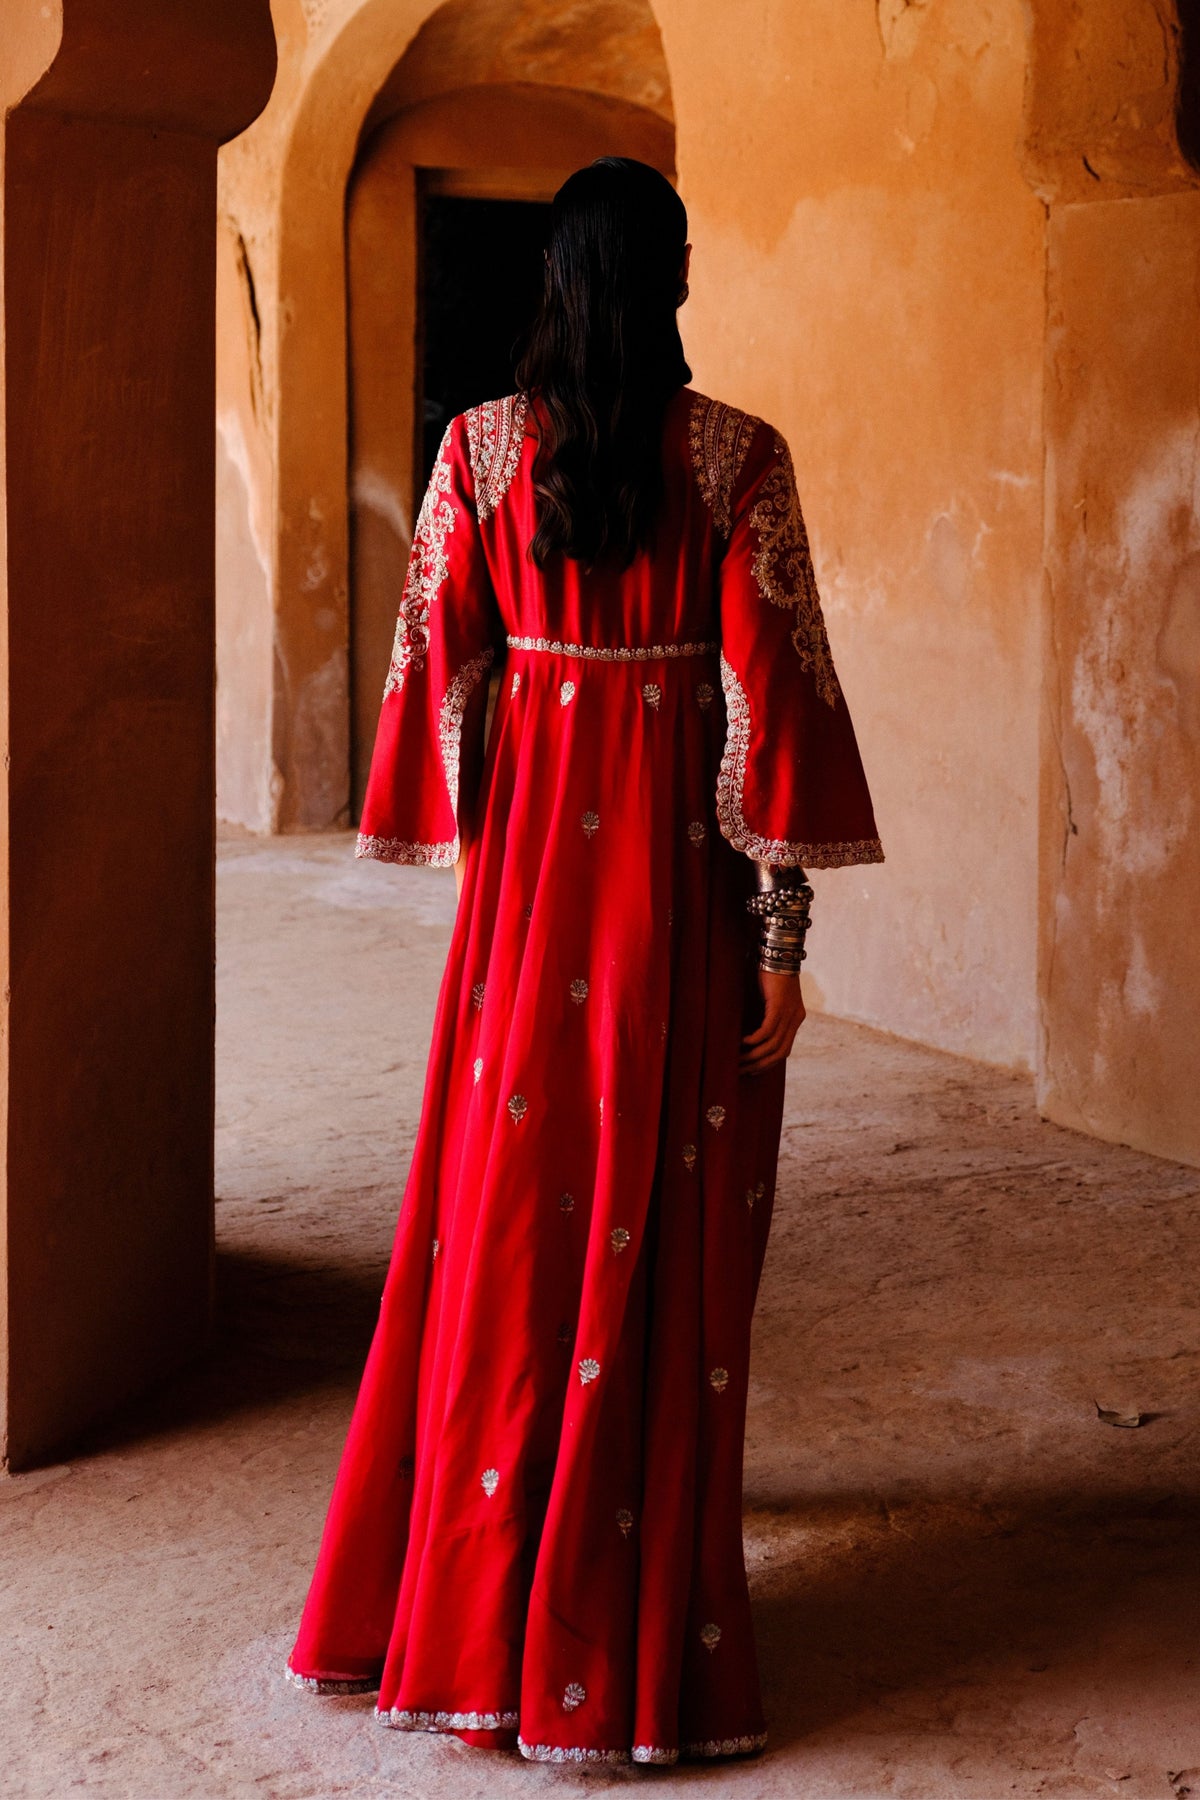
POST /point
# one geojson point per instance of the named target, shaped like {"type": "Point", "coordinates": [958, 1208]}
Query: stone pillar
{"type": "Point", "coordinates": [109, 255]}
{"type": "Point", "coordinates": [1119, 967]}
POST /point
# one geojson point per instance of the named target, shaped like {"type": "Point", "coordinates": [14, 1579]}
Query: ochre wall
{"type": "Point", "coordinates": [247, 781]}
{"type": "Point", "coordinates": [868, 274]}
{"type": "Point", "coordinates": [1112, 95]}
{"type": "Point", "coordinates": [1121, 842]}
{"type": "Point", "coordinates": [601, 47]}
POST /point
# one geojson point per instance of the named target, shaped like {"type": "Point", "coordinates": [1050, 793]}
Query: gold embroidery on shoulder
{"type": "Point", "coordinates": [784, 572]}
{"type": "Point", "coordinates": [495, 433]}
{"type": "Point", "coordinates": [720, 437]}
{"type": "Point", "coordinates": [427, 570]}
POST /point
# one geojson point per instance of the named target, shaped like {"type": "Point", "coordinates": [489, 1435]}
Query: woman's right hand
{"type": "Point", "coordinates": [783, 1015]}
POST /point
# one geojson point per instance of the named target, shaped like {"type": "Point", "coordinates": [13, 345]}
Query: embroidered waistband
{"type": "Point", "coordinates": [614, 653]}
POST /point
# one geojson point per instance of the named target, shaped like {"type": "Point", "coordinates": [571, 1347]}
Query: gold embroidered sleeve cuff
{"type": "Point", "coordinates": [731, 781]}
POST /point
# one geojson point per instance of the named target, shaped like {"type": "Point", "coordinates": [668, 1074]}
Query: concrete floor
{"type": "Point", "coordinates": [967, 1584]}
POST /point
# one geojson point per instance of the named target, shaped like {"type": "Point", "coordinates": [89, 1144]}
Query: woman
{"type": "Point", "coordinates": [535, 1534]}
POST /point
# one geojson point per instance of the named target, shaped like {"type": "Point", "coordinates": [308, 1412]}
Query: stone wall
{"type": "Point", "coordinates": [1120, 992]}
{"type": "Point", "coordinates": [869, 275]}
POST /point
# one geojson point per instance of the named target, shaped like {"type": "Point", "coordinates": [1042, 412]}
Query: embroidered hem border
{"type": "Point", "coordinates": [615, 653]}
{"type": "Point", "coordinates": [398, 850]}
{"type": "Point", "coordinates": [450, 723]}
{"type": "Point", "coordinates": [643, 1753]}
{"type": "Point", "coordinates": [327, 1685]}
{"type": "Point", "coordinates": [737, 1746]}
{"type": "Point", "coordinates": [400, 1719]}
{"type": "Point", "coordinates": [730, 782]}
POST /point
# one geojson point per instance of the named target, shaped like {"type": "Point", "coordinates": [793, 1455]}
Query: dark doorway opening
{"type": "Point", "coordinates": [1188, 102]}
{"type": "Point", "coordinates": [480, 278]}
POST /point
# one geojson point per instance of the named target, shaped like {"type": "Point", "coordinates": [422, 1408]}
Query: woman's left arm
{"type": "Point", "coordinates": [791, 792]}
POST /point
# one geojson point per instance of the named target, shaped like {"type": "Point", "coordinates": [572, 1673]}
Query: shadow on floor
{"type": "Point", "coordinates": [950, 1608]}
{"type": "Point", "coordinates": [316, 1319]}
{"type": "Point", "coordinates": [940, 1614]}
{"type": "Point", "coordinates": [282, 1329]}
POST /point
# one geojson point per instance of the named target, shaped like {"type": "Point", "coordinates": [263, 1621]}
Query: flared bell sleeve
{"type": "Point", "coordinates": [428, 747]}
{"type": "Point", "coordinates": [791, 789]}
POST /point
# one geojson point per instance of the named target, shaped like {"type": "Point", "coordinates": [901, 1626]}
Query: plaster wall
{"type": "Point", "coordinates": [1121, 840]}
{"type": "Point", "coordinates": [868, 274]}
{"type": "Point", "coordinates": [610, 47]}
{"type": "Point", "coordinates": [381, 254]}
{"type": "Point", "coordinates": [245, 488]}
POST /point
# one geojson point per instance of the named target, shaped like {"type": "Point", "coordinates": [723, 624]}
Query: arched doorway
{"type": "Point", "coordinates": [444, 230]}
{"type": "Point", "coordinates": [510, 100]}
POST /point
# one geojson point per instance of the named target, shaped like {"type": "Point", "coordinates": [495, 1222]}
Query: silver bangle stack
{"type": "Point", "coordinates": [781, 906]}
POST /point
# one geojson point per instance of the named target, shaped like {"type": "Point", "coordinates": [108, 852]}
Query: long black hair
{"type": "Point", "coordinates": [603, 358]}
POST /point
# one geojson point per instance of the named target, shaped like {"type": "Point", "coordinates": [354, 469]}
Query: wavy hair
{"type": "Point", "coordinates": [602, 359]}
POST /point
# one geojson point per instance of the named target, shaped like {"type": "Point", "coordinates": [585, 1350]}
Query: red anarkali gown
{"type": "Point", "coordinates": [535, 1532]}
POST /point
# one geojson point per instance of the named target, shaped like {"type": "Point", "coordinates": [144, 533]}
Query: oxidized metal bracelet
{"type": "Point", "coordinates": [781, 901]}
{"type": "Point", "coordinates": [779, 962]}
{"type": "Point", "coordinates": [781, 906]}
{"type": "Point", "coordinates": [783, 949]}
{"type": "Point", "coordinates": [779, 890]}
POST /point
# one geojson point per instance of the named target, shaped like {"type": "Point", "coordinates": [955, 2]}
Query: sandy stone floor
{"type": "Point", "coordinates": [966, 1583]}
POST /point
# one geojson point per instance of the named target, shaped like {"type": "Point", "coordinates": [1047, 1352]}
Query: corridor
{"type": "Point", "coordinates": [967, 1583]}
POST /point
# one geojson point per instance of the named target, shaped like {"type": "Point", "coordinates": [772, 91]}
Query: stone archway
{"type": "Point", "coordinates": [504, 140]}
{"type": "Point", "coordinates": [352, 67]}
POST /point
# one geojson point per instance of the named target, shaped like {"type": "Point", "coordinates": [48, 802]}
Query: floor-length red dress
{"type": "Point", "coordinates": [535, 1532]}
